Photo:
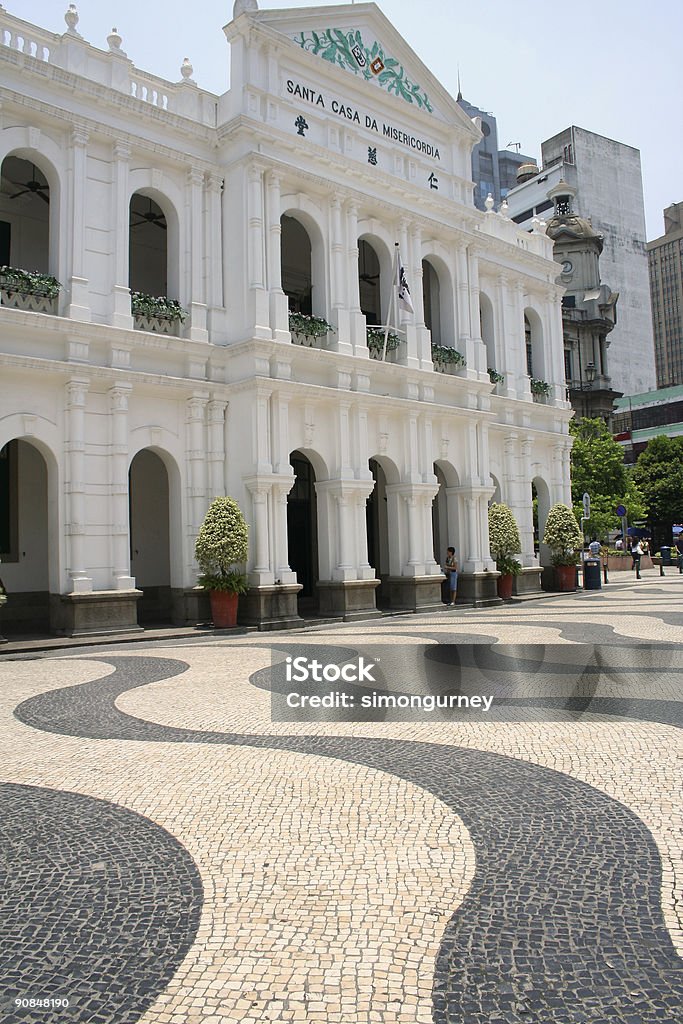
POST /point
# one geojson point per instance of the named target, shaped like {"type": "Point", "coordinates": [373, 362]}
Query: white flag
{"type": "Point", "coordinates": [404, 300]}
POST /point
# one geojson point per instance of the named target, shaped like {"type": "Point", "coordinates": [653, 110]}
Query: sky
{"type": "Point", "coordinates": [610, 66]}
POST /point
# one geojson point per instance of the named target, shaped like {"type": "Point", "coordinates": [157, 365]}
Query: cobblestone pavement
{"type": "Point", "coordinates": [172, 855]}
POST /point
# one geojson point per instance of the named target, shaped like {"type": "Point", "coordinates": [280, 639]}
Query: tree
{"type": "Point", "coordinates": [659, 474]}
{"type": "Point", "coordinates": [597, 468]}
{"type": "Point", "coordinates": [504, 540]}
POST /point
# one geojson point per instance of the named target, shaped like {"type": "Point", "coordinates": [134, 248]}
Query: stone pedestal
{"type": "Point", "coordinates": [188, 607]}
{"type": "Point", "coordinates": [478, 588]}
{"type": "Point", "coordinates": [413, 593]}
{"type": "Point", "coordinates": [350, 599]}
{"type": "Point", "coordinates": [270, 607]}
{"type": "Point", "coordinates": [99, 612]}
{"type": "Point", "coordinates": [528, 581]}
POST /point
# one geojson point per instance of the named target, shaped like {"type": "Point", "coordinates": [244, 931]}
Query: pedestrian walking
{"type": "Point", "coordinates": [636, 553]}
{"type": "Point", "coordinates": [594, 547]}
{"type": "Point", "coordinates": [451, 570]}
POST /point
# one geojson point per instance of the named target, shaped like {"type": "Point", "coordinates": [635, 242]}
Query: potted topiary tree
{"type": "Point", "coordinates": [504, 542]}
{"type": "Point", "coordinates": [565, 540]}
{"type": "Point", "coordinates": [221, 546]}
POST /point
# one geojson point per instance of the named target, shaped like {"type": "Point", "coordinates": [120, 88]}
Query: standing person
{"type": "Point", "coordinates": [636, 552]}
{"type": "Point", "coordinates": [451, 570]}
{"type": "Point", "coordinates": [594, 547]}
{"type": "Point", "coordinates": [679, 551]}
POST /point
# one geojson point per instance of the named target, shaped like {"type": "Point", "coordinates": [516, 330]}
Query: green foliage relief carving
{"type": "Point", "coordinates": [338, 47]}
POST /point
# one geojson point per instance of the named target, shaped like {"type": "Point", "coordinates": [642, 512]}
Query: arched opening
{"type": "Point", "coordinates": [296, 259]}
{"type": "Point", "coordinates": [150, 549]}
{"type": "Point", "coordinates": [369, 283]}
{"type": "Point", "coordinates": [496, 496]}
{"type": "Point", "coordinates": [25, 538]}
{"type": "Point", "coordinates": [488, 335]}
{"type": "Point", "coordinates": [445, 520]}
{"type": "Point", "coordinates": [302, 531]}
{"type": "Point", "coordinates": [25, 243]}
{"type": "Point", "coordinates": [148, 246]}
{"type": "Point", "coordinates": [540, 500]}
{"type": "Point", "coordinates": [431, 294]}
{"type": "Point", "coordinates": [533, 343]}
{"type": "Point", "coordinates": [377, 528]}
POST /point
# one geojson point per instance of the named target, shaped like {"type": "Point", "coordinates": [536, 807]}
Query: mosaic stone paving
{"type": "Point", "coordinates": [525, 868]}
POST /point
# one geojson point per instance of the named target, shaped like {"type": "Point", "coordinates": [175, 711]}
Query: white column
{"type": "Point", "coordinates": [357, 320]}
{"type": "Point", "coordinates": [119, 523]}
{"type": "Point", "coordinates": [345, 533]}
{"type": "Point", "coordinates": [279, 308]}
{"type": "Point", "coordinates": [196, 327]}
{"type": "Point", "coordinates": [214, 276]}
{"type": "Point", "coordinates": [196, 470]}
{"type": "Point", "coordinates": [261, 547]}
{"type": "Point", "coordinates": [120, 219]}
{"type": "Point", "coordinates": [415, 564]}
{"type": "Point", "coordinates": [525, 516]}
{"type": "Point", "coordinates": [462, 291]}
{"type": "Point", "coordinates": [259, 312]}
{"type": "Point", "coordinates": [79, 299]}
{"type": "Point", "coordinates": [280, 490]}
{"type": "Point", "coordinates": [339, 288]}
{"type": "Point", "coordinates": [76, 393]}
{"type": "Point", "coordinates": [478, 346]}
{"type": "Point", "coordinates": [216, 452]}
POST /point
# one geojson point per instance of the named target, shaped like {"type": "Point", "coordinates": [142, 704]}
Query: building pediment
{"type": "Point", "coordinates": [361, 40]}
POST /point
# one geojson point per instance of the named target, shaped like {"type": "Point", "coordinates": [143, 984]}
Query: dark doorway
{"type": "Point", "coordinates": [302, 532]}
{"type": "Point", "coordinates": [150, 554]}
{"type": "Point", "coordinates": [377, 533]}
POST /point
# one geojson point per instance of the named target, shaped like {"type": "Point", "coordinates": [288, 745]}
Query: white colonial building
{"type": "Point", "coordinates": [121, 417]}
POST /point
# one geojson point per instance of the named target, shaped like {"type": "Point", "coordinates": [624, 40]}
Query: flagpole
{"type": "Point", "coordinates": [393, 304]}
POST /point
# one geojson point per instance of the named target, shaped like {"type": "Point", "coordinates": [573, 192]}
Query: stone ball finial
{"type": "Point", "coordinates": [244, 7]}
{"type": "Point", "coordinates": [488, 203]}
{"type": "Point", "coordinates": [114, 40]}
{"type": "Point", "coordinates": [71, 18]}
{"type": "Point", "coordinates": [186, 69]}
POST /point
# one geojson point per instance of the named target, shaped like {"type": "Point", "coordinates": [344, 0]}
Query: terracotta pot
{"type": "Point", "coordinates": [565, 577]}
{"type": "Point", "coordinates": [505, 586]}
{"type": "Point", "coordinates": [223, 608]}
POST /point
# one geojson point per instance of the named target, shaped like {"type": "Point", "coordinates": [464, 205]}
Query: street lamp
{"type": "Point", "coordinates": [590, 373]}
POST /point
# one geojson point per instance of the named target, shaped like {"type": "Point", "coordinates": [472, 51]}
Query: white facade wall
{"type": "Point", "coordinates": [225, 403]}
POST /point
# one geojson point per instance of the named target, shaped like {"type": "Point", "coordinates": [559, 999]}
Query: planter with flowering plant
{"type": "Point", "coordinates": [565, 540]}
{"type": "Point", "coordinates": [540, 389]}
{"type": "Point", "coordinates": [27, 289]}
{"type": "Point", "coordinates": [222, 545]}
{"type": "Point", "coordinates": [445, 358]}
{"type": "Point", "coordinates": [308, 329]}
{"type": "Point", "coordinates": [156, 313]}
{"type": "Point", "coordinates": [375, 340]}
{"type": "Point", "coordinates": [504, 543]}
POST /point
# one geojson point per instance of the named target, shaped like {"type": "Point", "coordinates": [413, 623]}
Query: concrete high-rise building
{"type": "Point", "coordinates": [609, 193]}
{"type": "Point", "coordinates": [494, 170]}
{"type": "Point", "coordinates": [665, 258]}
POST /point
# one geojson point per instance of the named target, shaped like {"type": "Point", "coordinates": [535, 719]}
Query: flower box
{"type": "Point", "coordinates": [375, 341]}
{"type": "Point", "coordinates": [308, 330]}
{"type": "Point", "coordinates": [156, 313]}
{"type": "Point", "coordinates": [447, 359]}
{"type": "Point", "coordinates": [28, 290]}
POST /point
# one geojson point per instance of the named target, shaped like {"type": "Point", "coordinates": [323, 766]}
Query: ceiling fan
{"type": "Point", "coordinates": [148, 217]}
{"type": "Point", "coordinates": [363, 274]}
{"type": "Point", "coordinates": [34, 186]}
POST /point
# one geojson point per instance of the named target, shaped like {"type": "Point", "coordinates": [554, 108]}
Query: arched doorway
{"type": "Point", "coordinates": [377, 526]}
{"type": "Point", "coordinates": [446, 519]}
{"type": "Point", "coordinates": [488, 333]}
{"type": "Point", "coordinates": [25, 238]}
{"type": "Point", "coordinates": [148, 247]}
{"type": "Point", "coordinates": [369, 283]}
{"type": "Point", "coordinates": [431, 294]}
{"type": "Point", "coordinates": [297, 276]}
{"type": "Point", "coordinates": [302, 532]}
{"type": "Point", "coordinates": [25, 538]}
{"type": "Point", "coordinates": [150, 554]}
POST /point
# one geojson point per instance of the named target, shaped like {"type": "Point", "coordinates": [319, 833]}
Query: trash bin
{"type": "Point", "coordinates": [666, 555]}
{"type": "Point", "coordinates": [591, 574]}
